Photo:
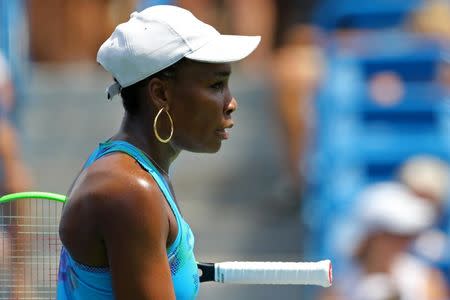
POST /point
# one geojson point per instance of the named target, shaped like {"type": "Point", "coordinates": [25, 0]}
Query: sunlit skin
{"type": "Point", "coordinates": [116, 207]}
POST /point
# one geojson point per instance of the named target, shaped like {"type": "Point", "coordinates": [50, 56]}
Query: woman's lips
{"type": "Point", "coordinates": [223, 134]}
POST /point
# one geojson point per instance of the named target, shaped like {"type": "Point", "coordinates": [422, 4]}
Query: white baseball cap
{"type": "Point", "coordinates": [158, 37]}
{"type": "Point", "coordinates": [387, 207]}
{"type": "Point", "coordinates": [391, 207]}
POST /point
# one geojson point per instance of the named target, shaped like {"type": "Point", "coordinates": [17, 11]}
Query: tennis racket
{"type": "Point", "coordinates": [30, 247]}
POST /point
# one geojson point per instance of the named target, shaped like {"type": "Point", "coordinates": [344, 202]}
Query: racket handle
{"type": "Point", "coordinates": [309, 273]}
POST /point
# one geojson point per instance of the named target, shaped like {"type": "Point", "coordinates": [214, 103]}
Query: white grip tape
{"type": "Point", "coordinates": [314, 273]}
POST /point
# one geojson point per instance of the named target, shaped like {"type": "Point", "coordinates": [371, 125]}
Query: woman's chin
{"type": "Point", "coordinates": [210, 148]}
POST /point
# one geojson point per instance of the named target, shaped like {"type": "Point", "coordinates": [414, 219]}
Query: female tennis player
{"type": "Point", "coordinates": [123, 235]}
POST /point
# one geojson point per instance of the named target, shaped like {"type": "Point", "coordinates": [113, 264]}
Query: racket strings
{"type": "Point", "coordinates": [29, 249]}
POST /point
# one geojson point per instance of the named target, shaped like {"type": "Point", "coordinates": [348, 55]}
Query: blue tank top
{"type": "Point", "coordinates": [80, 282]}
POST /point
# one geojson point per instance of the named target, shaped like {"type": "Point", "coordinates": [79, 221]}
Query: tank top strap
{"type": "Point", "coordinates": [92, 157]}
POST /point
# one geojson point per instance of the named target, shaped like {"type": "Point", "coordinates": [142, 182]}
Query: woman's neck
{"type": "Point", "coordinates": [139, 132]}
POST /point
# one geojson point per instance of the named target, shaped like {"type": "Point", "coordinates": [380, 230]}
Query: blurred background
{"type": "Point", "coordinates": [341, 147]}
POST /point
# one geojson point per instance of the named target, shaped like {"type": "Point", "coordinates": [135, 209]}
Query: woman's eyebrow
{"type": "Point", "coordinates": [222, 73]}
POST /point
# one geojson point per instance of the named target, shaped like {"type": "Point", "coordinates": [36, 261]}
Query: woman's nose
{"type": "Point", "coordinates": [231, 107]}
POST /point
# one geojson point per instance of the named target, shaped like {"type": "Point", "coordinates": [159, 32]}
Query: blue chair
{"type": "Point", "coordinates": [355, 14]}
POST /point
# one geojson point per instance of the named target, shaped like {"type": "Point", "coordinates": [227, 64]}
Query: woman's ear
{"type": "Point", "coordinates": [157, 90]}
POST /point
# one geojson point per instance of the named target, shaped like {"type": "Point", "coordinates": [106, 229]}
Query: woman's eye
{"type": "Point", "coordinates": [218, 85]}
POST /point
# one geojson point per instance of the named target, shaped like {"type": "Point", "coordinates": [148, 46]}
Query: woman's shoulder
{"type": "Point", "coordinates": [112, 202]}
{"type": "Point", "coordinates": [116, 182]}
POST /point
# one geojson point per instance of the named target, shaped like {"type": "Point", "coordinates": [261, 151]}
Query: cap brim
{"type": "Point", "coordinates": [225, 49]}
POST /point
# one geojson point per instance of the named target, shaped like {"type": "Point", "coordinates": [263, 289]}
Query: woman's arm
{"type": "Point", "coordinates": [135, 227]}
{"type": "Point", "coordinates": [17, 177]}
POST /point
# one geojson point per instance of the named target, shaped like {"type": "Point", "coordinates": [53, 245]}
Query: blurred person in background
{"type": "Point", "coordinates": [14, 177]}
{"type": "Point", "coordinates": [297, 69]}
{"type": "Point", "coordinates": [429, 178]}
{"type": "Point", "coordinates": [14, 174]}
{"type": "Point", "coordinates": [387, 218]}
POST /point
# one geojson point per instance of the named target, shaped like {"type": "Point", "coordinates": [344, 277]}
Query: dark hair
{"type": "Point", "coordinates": [130, 93]}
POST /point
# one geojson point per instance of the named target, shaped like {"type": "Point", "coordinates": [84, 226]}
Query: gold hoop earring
{"type": "Point", "coordinates": [155, 130]}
